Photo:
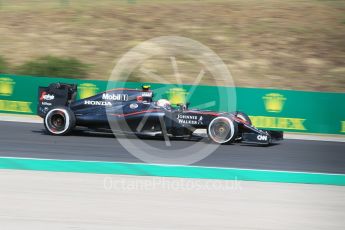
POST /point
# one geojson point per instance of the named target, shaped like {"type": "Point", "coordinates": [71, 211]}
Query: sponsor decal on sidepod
{"type": "Point", "coordinates": [115, 97]}
{"type": "Point", "coordinates": [133, 106]}
{"type": "Point", "coordinates": [104, 103]}
{"type": "Point", "coordinates": [189, 119]}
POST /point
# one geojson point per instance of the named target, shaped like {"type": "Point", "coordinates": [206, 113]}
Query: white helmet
{"type": "Point", "coordinates": [163, 103]}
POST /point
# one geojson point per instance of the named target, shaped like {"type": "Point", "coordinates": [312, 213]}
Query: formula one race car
{"type": "Point", "coordinates": [133, 111]}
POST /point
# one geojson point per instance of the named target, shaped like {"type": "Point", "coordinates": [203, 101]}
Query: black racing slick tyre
{"type": "Point", "coordinates": [243, 117]}
{"type": "Point", "coordinates": [59, 121]}
{"type": "Point", "coordinates": [222, 130]}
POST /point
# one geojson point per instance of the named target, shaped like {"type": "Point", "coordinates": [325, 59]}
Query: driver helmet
{"type": "Point", "coordinates": [163, 103]}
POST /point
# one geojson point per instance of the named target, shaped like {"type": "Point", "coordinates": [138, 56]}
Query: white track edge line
{"type": "Point", "coordinates": [166, 165]}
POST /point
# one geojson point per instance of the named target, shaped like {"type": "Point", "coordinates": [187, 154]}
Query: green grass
{"type": "Point", "coordinates": [4, 68]}
{"type": "Point", "coordinates": [298, 42]}
{"type": "Point", "coordinates": [55, 67]}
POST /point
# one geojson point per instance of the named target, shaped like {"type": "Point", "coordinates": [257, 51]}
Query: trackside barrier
{"type": "Point", "coordinates": [295, 111]}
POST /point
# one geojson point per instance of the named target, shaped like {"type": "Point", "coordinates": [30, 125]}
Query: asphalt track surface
{"type": "Point", "coordinates": [30, 141]}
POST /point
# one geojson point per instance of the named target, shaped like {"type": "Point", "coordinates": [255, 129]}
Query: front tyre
{"type": "Point", "coordinates": [59, 121]}
{"type": "Point", "coordinates": [222, 130]}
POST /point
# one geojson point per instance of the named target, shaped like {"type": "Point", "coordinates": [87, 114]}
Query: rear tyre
{"type": "Point", "coordinates": [222, 130]}
{"type": "Point", "coordinates": [59, 121]}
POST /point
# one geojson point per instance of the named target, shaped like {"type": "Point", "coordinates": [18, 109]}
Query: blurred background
{"type": "Point", "coordinates": [295, 44]}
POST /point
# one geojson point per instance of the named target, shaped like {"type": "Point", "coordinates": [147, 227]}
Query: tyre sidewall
{"type": "Point", "coordinates": [233, 130]}
{"type": "Point", "coordinates": [69, 121]}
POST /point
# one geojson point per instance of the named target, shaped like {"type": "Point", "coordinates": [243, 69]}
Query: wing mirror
{"type": "Point", "coordinates": [183, 107]}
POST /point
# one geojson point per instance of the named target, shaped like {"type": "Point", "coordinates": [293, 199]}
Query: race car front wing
{"type": "Point", "coordinates": [263, 137]}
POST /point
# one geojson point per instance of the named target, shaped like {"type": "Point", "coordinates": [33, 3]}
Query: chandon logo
{"type": "Point", "coordinates": [105, 103]}
{"type": "Point", "coordinates": [47, 97]}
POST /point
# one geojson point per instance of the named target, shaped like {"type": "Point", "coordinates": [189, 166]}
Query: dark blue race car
{"type": "Point", "coordinates": [133, 111]}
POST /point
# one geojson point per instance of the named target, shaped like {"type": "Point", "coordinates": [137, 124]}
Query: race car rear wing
{"type": "Point", "coordinates": [54, 95]}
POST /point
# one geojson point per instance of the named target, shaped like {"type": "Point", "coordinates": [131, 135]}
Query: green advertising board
{"type": "Point", "coordinates": [295, 111]}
